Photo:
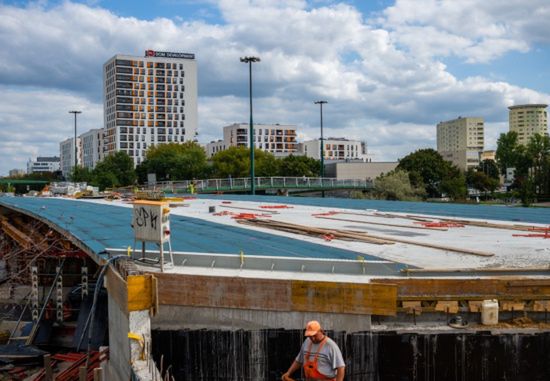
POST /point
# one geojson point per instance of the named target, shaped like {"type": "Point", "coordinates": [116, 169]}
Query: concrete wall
{"type": "Point", "coordinates": [359, 171]}
{"type": "Point", "coordinates": [119, 349]}
{"type": "Point", "coordinates": [184, 317]}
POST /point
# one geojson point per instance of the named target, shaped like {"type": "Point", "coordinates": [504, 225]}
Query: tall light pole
{"type": "Point", "coordinates": [321, 103]}
{"type": "Point", "coordinates": [75, 152]}
{"type": "Point", "coordinates": [249, 61]}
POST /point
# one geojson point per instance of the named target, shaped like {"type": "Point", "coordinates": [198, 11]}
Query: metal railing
{"type": "Point", "coordinates": [243, 184]}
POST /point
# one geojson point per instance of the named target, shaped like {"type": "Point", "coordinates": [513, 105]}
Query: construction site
{"type": "Point", "coordinates": [220, 287]}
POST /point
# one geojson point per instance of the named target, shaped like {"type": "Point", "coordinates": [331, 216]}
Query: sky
{"type": "Point", "coordinates": [390, 70]}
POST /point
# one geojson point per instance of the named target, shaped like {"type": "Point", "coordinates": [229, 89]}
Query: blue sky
{"type": "Point", "coordinates": [391, 70]}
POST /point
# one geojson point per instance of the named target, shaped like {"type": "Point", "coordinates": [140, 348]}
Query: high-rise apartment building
{"type": "Point", "coordinates": [92, 147]}
{"type": "Point", "coordinates": [67, 161]}
{"type": "Point", "coordinates": [461, 141]}
{"type": "Point", "coordinates": [278, 139]}
{"type": "Point", "coordinates": [528, 120]}
{"type": "Point", "coordinates": [149, 100]}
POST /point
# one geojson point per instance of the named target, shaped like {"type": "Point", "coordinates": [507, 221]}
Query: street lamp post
{"type": "Point", "coordinates": [321, 103]}
{"type": "Point", "coordinates": [249, 61]}
{"type": "Point", "coordinates": [75, 152]}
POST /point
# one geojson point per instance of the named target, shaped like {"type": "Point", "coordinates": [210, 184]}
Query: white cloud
{"type": "Point", "coordinates": [34, 121]}
{"type": "Point", "coordinates": [383, 79]}
{"type": "Point", "coordinates": [477, 31]}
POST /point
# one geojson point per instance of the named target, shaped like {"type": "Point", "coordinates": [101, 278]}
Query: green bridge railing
{"type": "Point", "coordinates": [262, 183]}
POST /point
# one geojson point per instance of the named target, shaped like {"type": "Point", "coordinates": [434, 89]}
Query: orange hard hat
{"type": "Point", "coordinates": [312, 328]}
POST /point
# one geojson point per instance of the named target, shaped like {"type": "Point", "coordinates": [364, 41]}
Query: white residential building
{"type": "Point", "coordinates": [337, 149]}
{"type": "Point", "coordinates": [149, 100]}
{"type": "Point", "coordinates": [66, 157]}
{"type": "Point", "coordinates": [43, 164]}
{"type": "Point", "coordinates": [461, 141]}
{"type": "Point", "coordinates": [278, 139]}
{"type": "Point", "coordinates": [92, 147]}
{"type": "Point", "coordinates": [214, 147]}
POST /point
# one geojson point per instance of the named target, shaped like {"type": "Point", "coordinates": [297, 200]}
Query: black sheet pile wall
{"type": "Point", "coordinates": [263, 355]}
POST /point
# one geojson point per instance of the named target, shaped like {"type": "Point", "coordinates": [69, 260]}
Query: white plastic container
{"type": "Point", "coordinates": [489, 312]}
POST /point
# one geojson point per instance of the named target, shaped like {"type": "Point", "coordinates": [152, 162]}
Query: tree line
{"type": "Point", "coordinates": [175, 162]}
{"type": "Point", "coordinates": [422, 174]}
{"type": "Point", "coordinates": [425, 174]}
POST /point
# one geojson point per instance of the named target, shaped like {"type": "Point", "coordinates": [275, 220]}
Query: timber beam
{"type": "Point", "coordinates": [17, 235]}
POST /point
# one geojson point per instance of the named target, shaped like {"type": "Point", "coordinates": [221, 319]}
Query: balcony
{"type": "Point", "coordinates": [124, 70]}
{"type": "Point", "coordinates": [124, 100]}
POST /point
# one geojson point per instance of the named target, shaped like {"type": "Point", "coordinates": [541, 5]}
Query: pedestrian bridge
{"type": "Point", "coordinates": [236, 185]}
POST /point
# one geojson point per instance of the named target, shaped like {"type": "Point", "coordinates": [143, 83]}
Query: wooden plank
{"type": "Point", "coordinates": [355, 236]}
{"type": "Point", "coordinates": [475, 305]}
{"type": "Point", "coordinates": [116, 287]}
{"type": "Point", "coordinates": [140, 292]}
{"type": "Point", "coordinates": [471, 289]}
{"type": "Point", "coordinates": [413, 307]}
{"type": "Point", "coordinates": [512, 306]}
{"type": "Point", "coordinates": [17, 235]}
{"type": "Point", "coordinates": [155, 284]}
{"type": "Point", "coordinates": [380, 223]}
{"type": "Point", "coordinates": [450, 306]}
{"type": "Point", "coordinates": [371, 299]}
{"type": "Point", "coordinates": [541, 305]}
{"type": "Point", "coordinates": [276, 295]}
{"type": "Point", "coordinates": [209, 291]}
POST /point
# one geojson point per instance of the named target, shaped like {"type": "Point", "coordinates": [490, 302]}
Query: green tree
{"type": "Point", "coordinates": [114, 171]}
{"type": "Point", "coordinates": [104, 180]}
{"type": "Point", "coordinates": [453, 184]}
{"type": "Point", "coordinates": [538, 149]}
{"type": "Point", "coordinates": [235, 162]}
{"type": "Point", "coordinates": [479, 180]}
{"type": "Point", "coordinates": [396, 185]}
{"type": "Point", "coordinates": [266, 165]}
{"type": "Point", "coordinates": [490, 168]}
{"type": "Point", "coordinates": [81, 174]}
{"type": "Point", "coordinates": [299, 166]}
{"type": "Point", "coordinates": [507, 151]}
{"type": "Point", "coordinates": [175, 161]}
{"type": "Point", "coordinates": [44, 176]}
{"type": "Point", "coordinates": [428, 170]}
{"type": "Point", "coordinates": [523, 183]}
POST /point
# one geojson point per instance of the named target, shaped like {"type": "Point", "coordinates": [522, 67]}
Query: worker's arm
{"type": "Point", "coordinates": [293, 368]}
{"type": "Point", "coordinates": [340, 372]}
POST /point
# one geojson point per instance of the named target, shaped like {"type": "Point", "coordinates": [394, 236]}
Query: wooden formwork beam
{"type": "Point", "coordinates": [469, 289]}
{"type": "Point", "coordinates": [17, 235]}
{"type": "Point", "coordinates": [277, 295]}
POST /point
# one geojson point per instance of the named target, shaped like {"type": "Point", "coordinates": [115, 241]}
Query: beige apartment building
{"type": "Point", "coordinates": [461, 141]}
{"type": "Point", "coordinates": [278, 139]}
{"type": "Point", "coordinates": [528, 120]}
{"type": "Point", "coordinates": [335, 149]}
{"type": "Point", "coordinates": [149, 100]}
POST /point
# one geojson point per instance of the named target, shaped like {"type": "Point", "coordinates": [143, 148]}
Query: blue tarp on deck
{"type": "Point", "coordinates": [100, 226]}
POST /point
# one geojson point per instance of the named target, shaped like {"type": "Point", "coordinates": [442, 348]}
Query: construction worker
{"type": "Point", "coordinates": [319, 356]}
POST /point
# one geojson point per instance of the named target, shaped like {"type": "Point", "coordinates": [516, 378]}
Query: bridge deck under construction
{"type": "Point", "coordinates": [289, 241]}
{"type": "Point", "coordinates": [409, 241]}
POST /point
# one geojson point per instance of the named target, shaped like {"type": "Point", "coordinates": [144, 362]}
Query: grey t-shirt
{"type": "Point", "coordinates": [329, 359]}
